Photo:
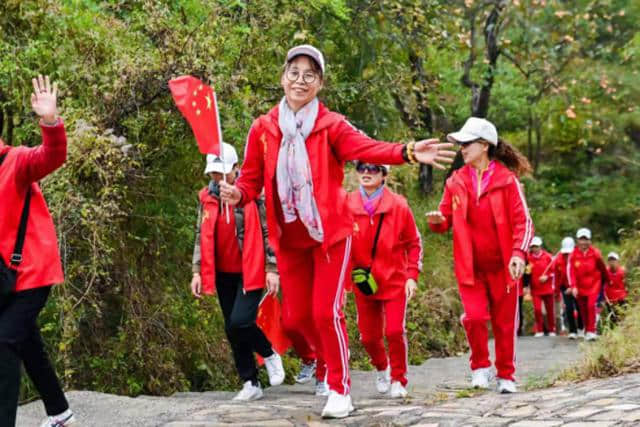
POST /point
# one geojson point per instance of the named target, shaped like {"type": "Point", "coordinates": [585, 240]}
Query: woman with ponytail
{"type": "Point", "coordinates": [484, 203]}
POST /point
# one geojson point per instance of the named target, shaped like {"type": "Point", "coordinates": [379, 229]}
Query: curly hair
{"type": "Point", "coordinates": [513, 159]}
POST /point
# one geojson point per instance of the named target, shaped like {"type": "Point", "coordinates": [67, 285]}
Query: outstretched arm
{"type": "Point", "coordinates": [34, 164]}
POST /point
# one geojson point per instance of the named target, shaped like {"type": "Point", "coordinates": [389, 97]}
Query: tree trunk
{"type": "Point", "coordinates": [529, 134]}
{"type": "Point", "coordinates": [538, 134]}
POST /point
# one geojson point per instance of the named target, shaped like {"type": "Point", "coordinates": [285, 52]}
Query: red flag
{"type": "Point", "coordinates": [270, 321]}
{"type": "Point", "coordinates": [197, 103]}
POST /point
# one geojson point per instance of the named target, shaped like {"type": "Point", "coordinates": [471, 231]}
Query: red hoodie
{"type": "Point", "coordinates": [587, 271]}
{"type": "Point", "coordinates": [20, 170]}
{"type": "Point", "coordinates": [510, 211]}
{"type": "Point", "coordinates": [332, 142]}
{"type": "Point", "coordinates": [399, 249]}
{"type": "Point", "coordinates": [540, 264]}
{"type": "Point", "coordinates": [616, 290]}
{"type": "Point", "coordinates": [560, 271]}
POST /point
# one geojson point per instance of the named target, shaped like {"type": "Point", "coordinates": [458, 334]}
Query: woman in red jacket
{"type": "Point", "coordinates": [616, 292]}
{"type": "Point", "coordinates": [586, 273]}
{"type": "Point", "coordinates": [542, 287]}
{"type": "Point", "coordinates": [484, 203]}
{"type": "Point", "coordinates": [231, 257]}
{"type": "Point", "coordinates": [297, 153]}
{"type": "Point", "coordinates": [37, 262]}
{"type": "Point", "coordinates": [394, 265]}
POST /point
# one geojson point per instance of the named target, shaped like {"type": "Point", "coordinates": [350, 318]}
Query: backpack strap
{"type": "Point", "coordinates": [375, 239]}
{"type": "Point", "coordinates": [16, 256]}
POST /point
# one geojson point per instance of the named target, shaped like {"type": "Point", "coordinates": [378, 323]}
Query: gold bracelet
{"type": "Point", "coordinates": [410, 152]}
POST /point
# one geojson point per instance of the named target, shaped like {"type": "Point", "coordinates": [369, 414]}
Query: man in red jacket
{"type": "Point", "coordinates": [542, 287]}
{"type": "Point", "coordinates": [394, 265]}
{"type": "Point", "coordinates": [616, 292]}
{"type": "Point", "coordinates": [587, 273]}
{"type": "Point", "coordinates": [572, 314]}
{"type": "Point", "coordinates": [37, 264]}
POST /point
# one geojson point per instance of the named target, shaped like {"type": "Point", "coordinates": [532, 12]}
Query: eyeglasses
{"type": "Point", "coordinates": [372, 169]}
{"type": "Point", "coordinates": [308, 77]}
{"type": "Point", "coordinates": [468, 143]}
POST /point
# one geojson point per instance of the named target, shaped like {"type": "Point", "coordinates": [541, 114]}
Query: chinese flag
{"type": "Point", "coordinates": [270, 321]}
{"type": "Point", "coordinates": [197, 103]}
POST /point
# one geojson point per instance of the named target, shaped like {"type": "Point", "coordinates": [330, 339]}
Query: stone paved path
{"type": "Point", "coordinates": [437, 398]}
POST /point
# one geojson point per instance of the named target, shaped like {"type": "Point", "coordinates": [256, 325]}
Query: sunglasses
{"type": "Point", "coordinates": [468, 143]}
{"type": "Point", "coordinates": [372, 169]}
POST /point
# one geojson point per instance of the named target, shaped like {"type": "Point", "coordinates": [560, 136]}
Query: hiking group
{"type": "Point", "coordinates": [281, 222]}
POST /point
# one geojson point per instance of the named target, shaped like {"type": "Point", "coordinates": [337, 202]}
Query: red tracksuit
{"type": "Point", "coordinates": [313, 274]}
{"type": "Point", "coordinates": [616, 291]}
{"type": "Point", "coordinates": [22, 168]}
{"type": "Point", "coordinates": [542, 292]}
{"type": "Point", "coordinates": [586, 271]}
{"type": "Point", "coordinates": [398, 258]}
{"type": "Point", "coordinates": [488, 229]}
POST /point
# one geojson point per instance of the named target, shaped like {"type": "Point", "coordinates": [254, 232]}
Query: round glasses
{"type": "Point", "coordinates": [308, 77]}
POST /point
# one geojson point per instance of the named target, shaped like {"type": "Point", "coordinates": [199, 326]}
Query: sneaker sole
{"type": "Point", "coordinates": [303, 381]}
{"type": "Point", "coordinates": [340, 415]}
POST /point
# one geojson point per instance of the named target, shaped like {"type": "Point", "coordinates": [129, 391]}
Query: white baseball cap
{"type": "Point", "coordinates": [613, 255]}
{"type": "Point", "coordinates": [306, 49]}
{"type": "Point", "coordinates": [223, 163]}
{"type": "Point", "coordinates": [536, 241]}
{"type": "Point", "coordinates": [475, 128]}
{"type": "Point", "coordinates": [568, 244]}
{"type": "Point", "coordinates": [583, 232]}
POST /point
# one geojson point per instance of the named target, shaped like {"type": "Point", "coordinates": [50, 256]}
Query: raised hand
{"type": "Point", "coordinates": [44, 99]}
{"type": "Point", "coordinates": [433, 152]}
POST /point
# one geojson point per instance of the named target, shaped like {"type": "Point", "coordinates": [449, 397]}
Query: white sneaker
{"type": "Point", "coordinates": [307, 372]}
{"type": "Point", "coordinates": [275, 369]}
{"type": "Point", "coordinates": [480, 378]}
{"type": "Point", "coordinates": [383, 380]}
{"type": "Point", "coordinates": [580, 333]}
{"type": "Point", "coordinates": [590, 336]}
{"type": "Point", "coordinates": [398, 390]}
{"type": "Point", "coordinates": [506, 386]}
{"type": "Point", "coordinates": [573, 336]}
{"type": "Point", "coordinates": [337, 406]}
{"type": "Point", "coordinates": [538, 334]}
{"type": "Point", "coordinates": [322, 389]}
{"type": "Point", "coordinates": [552, 334]}
{"type": "Point", "coordinates": [61, 420]}
{"type": "Point", "coordinates": [249, 392]}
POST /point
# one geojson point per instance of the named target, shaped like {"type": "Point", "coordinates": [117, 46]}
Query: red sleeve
{"type": "Point", "coordinates": [603, 269]}
{"type": "Point", "coordinates": [413, 243]}
{"type": "Point", "coordinates": [571, 272]}
{"type": "Point", "coordinates": [33, 164]}
{"type": "Point", "coordinates": [350, 143]}
{"type": "Point", "coordinates": [445, 209]}
{"type": "Point", "coordinates": [520, 219]}
{"type": "Point", "coordinates": [251, 177]}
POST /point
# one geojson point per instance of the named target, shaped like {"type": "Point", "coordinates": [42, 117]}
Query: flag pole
{"type": "Point", "coordinates": [224, 175]}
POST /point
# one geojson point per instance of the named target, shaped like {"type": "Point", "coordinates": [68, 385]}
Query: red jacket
{"type": "Point", "coordinates": [332, 141]}
{"type": "Point", "coordinates": [541, 264]}
{"type": "Point", "coordinates": [560, 271]}
{"type": "Point", "coordinates": [616, 290]}
{"type": "Point", "coordinates": [514, 225]}
{"type": "Point", "coordinates": [253, 245]}
{"type": "Point", "coordinates": [587, 271]}
{"type": "Point", "coordinates": [21, 169]}
{"type": "Point", "coordinates": [399, 249]}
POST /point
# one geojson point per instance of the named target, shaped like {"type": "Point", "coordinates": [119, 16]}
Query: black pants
{"type": "Point", "coordinates": [571, 306]}
{"type": "Point", "coordinates": [20, 340]}
{"type": "Point", "coordinates": [520, 317]}
{"type": "Point", "coordinates": [240, 310]}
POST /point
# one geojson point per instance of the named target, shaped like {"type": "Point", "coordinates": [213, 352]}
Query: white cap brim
{"type": "Point", "coordinates": [613, 255]}
{"type": "Point", "coordinates": [566, 250]}
{"type": "Point", "coordinates": [461, 137]}
{"type": "Point", "coordinates": [218, 167]}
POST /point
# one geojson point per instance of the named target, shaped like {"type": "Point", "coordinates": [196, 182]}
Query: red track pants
{"type": "Point", "coordinates": [488, 300]}
{"type": "Point", "coordinates": [538, 300]}
{"type": "Point", "coordinates": [373, 316]}
{"type": "Point", "coordinates": [587, 308]}
{"type": "Point", "coordinates": [313, 284]}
